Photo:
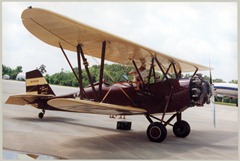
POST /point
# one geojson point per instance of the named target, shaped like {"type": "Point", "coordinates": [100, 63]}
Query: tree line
{"type": "Point", "coordinates": [112, 73]}
{"type": "Point", "coordinates": [12, 73]}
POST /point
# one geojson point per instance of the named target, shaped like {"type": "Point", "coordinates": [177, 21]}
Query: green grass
{"type": "Point", "coordinates": [228, 104]}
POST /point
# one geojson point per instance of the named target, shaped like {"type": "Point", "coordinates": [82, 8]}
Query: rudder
{"type": "Point", "coordinates": [37, 84]}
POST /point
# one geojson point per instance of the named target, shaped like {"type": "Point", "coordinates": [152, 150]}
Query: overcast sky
{"type": "Point", "coordinates": [188, 30]}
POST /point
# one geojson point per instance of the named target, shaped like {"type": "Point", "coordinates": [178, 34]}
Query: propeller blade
{"type": "Point", "coordinates": [210, 81]}
{"type": "Point", "coordinates": [212, 95]}
{"type": "Point", "coordinates": [213, 110]}
{"type": "Point", "coordinates": [213, 107]}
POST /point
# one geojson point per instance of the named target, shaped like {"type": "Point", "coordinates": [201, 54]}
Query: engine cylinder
{"type": "Point", "coordinates": [200, 92]}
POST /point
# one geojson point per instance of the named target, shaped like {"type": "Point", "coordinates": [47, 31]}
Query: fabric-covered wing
{"type": "Point", "coordinates": [55, 29]}
{"type": "Point", "coordinates": [26, 99]}
{"type": "Point", "coordinates": [82, 106]}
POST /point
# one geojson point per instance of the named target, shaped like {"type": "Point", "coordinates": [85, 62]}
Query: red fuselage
{"type": "Point", "coordinates": [153, 97]}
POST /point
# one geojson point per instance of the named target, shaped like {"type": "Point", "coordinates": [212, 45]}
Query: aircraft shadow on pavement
{"type": "Point", "coordinates": [69, 121]}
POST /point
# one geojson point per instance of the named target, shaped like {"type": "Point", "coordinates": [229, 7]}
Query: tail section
{"type": "Point", "coordinates": [37, 84]}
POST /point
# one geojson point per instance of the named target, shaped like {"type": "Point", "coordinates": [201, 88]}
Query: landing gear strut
{"type": "Point", "coordinates": [41, 114]}
{"type": "Point", "coordinates": [157, 131]}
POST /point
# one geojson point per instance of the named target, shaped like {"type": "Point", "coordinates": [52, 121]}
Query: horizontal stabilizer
{"type": "Point", "coordinates": [83, 106]}
{"type": "Point", "coordinates": [24, 99]}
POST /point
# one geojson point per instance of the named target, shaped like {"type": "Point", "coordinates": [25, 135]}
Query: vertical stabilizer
{"type": "Point", "coordinates": [37, 84]}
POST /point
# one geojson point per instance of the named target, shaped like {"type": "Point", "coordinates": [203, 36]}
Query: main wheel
{"type": "Point", "coordinates": [40, 115]}
{"type": "Point", "coordinates": [181, 129]}
{"type": "Point", "coordinates": [156, 132]}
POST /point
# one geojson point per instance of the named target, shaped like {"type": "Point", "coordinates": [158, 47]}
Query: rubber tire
{"type": "Point", "coordinates": [182, 131]}
{"type": "Point", "coordinates": [156, 132]}
{"type": "Point", "coordinates": [40, 115]}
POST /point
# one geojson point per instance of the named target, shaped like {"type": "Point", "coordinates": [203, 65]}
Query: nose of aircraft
{"type": "Point", "coordinates": [200, 91]}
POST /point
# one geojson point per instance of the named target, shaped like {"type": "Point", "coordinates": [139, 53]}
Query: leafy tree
{"type": "Point", "coordinates": [42, 68]}
{"type": "Point", "coordinates": [186, 76]}
{"type": "Point", "coordinates": [234, 81]}
{"type": "Point", "coordinates": [217, 80]}
{"type": "Point", "coordinates": [114, 72]}
{"type": "Point", "coordinates": [15, 72]}
{"type": "Point", "coordinates": [6, 70]}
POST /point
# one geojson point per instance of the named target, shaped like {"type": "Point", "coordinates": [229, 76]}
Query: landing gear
{"type": "Point", "coordinates": [157, 132]}
{"type": "Point", "coordinates": [41, 114]}
{"type": "Point", "coordinates": [181, 129]}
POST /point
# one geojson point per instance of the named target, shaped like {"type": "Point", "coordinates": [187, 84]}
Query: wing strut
{"type": "Point", "coordinates": [140, 76]}
{"type": "Point", "coordinates": [102, 68]}
{"type": "Point", "coordinates": [69, 62]}
{"type": "Point", "coordinates": [77, 77]}
{"type": "Point", "coordinates": [175, 71]}
{"type": "Point", "coordinates": [152, 72]}
{"type": "Point", "coordinates": [85, 63]}
{"type": "Point", "coordinates": [80, 73]}
{"type": "Point", "coordinates": [195, 72]}
{"type": "Point", "coordinates": [160, 66]}
{"type": "Point", "coordinates": [80, 54]}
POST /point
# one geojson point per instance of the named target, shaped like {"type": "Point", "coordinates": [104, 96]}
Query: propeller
{"type": "Point", "coordinates": [212, 95]}
{"type": "Point", "coordinates": [212, 100]}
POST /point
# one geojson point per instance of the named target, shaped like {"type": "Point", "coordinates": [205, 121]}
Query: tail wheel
{"type": "Point", "coordinates": [156, 132]}
{"type": "Point", "coordinates": [41, 114]}
{"type": "Point", "coordinates": [181, 129]}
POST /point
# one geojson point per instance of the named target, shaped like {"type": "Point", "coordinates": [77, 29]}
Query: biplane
{"type": "Point", "coordinates": [169, 94]}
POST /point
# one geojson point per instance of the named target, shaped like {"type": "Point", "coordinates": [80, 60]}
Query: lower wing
{"type": "Point", "coordinates": [83, 106]}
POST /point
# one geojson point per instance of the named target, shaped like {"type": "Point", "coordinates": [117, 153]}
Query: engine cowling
{"type": "Point", "coordinates": [200, 91]}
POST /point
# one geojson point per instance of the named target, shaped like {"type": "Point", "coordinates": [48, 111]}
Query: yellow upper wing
{"type": "Point", "coordinates": [55, 29]}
